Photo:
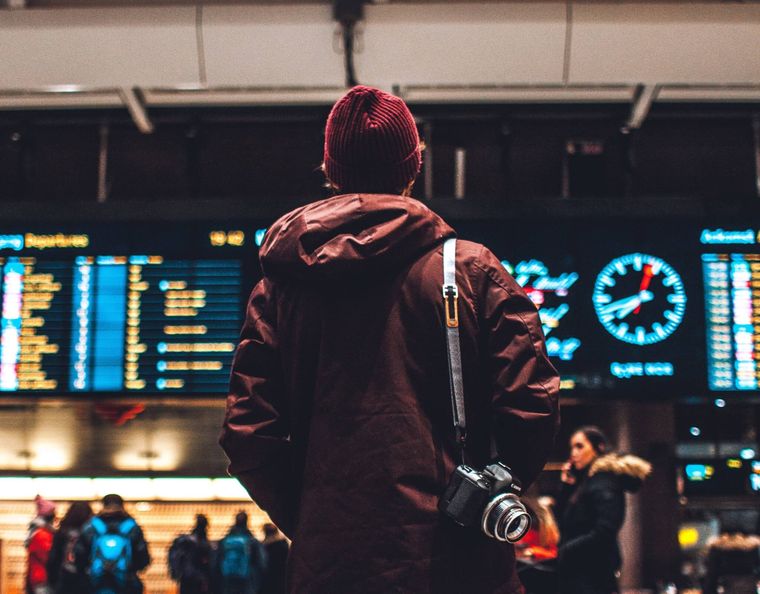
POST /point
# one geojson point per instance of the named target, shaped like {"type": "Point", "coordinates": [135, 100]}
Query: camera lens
{"type": "Point", "coordinates": [505, 518]}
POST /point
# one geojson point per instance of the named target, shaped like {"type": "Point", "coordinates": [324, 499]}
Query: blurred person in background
{"type": "Point", "coordinates": [63, 576]}
{"type": "Point", "coordinates": [112, 549]}
{"type": "Point", "coordinates": [39, 541]}
{"type": "Point", "coordinates": [190, 559]}
{"type": "Point", "coordinates": [277, 548]}
{"type": "Point", "coordinates": [733, 565]}
{"type": "Point", "coordinates": [537, 551]}
{"type": "Point", "coordinates": [590, 510]}
{"type": "Point", "coordinates": [241, 559]}
{"type": "Point", "coordinates": [339, 419]}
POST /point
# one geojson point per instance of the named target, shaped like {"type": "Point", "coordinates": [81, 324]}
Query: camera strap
{"type": "Point", "coordinates": [451, 314]}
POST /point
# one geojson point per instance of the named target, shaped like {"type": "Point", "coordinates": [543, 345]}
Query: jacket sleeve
{"type": "Point", "coordinates": [256, 433]}
{"type": "Point", "coordinates": [609, 509]}
{"type": "Point", "coordinates": [524, 384]}
{"type": "Point", "coordinates": [140, 553]}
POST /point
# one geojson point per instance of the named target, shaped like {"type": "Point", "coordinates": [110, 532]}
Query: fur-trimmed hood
{"type": "Point", "coordinates": [736, 542]}
{"type": "Point", "coordinates": [631, 469]}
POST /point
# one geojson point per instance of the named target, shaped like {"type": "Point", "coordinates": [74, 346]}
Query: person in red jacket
{"type": "Point", "coordinates": [38, 543]}
{"type": "Point", "coordinates": [339, 419]}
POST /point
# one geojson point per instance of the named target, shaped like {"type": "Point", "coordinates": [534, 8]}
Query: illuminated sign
{"type": "Point", "coordinates": [719, 236]}
{"type": "Point", "coordinates": [12, 242]}
{"type": "Point", "coordinates": [732, 316]}
{"type": "Point", "coordinates": [636, 369]}
{"type": "Point", "coordinates": [699, 472]}
{"type": "Point", "coordinates": [549, 294]}
{"type": "Point", "coordinates": [221, 238]}
{"type": "Point", "coordinates": [258, 237]}
{"type": "Point", "coordinates": [754, 477]}
{"type": "Point", "coordinates": [116, 323]}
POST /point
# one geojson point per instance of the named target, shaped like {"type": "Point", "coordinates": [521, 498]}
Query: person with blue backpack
{"type": "Point", "coordinates": [112, 549]}
{"type": "Point", "coordinates": [241, 559]}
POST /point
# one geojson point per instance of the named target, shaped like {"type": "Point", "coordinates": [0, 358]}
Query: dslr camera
{"type": "Point", "coordinates": [487, 499]}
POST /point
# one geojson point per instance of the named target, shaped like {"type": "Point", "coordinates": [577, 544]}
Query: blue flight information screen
{"type": "Point", "coordinates": [86, 312]}
{"type": "Point", "coordinates": [639, 308]}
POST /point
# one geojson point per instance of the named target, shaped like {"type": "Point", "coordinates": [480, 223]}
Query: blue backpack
{"type": "Point", "coordinates": [110, 555]}
{"type": "Point", "coordinates": [236, 557]}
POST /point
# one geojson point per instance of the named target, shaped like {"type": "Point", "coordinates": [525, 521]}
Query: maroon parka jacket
{"type": "Point", "coordinates": [339, 417]}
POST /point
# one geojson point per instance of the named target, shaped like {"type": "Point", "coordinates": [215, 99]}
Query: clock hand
{"type": "Point", "coordinates": [634, 304]}
{"type": "Point", "coordinates": [621, 304]}
{"type": "Point", "coordinates": [644, 283]}
{"type": "Point", "coordinates": [627, 304]}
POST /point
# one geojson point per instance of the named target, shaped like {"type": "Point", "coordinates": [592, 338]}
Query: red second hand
{"type": "Point", "coordinates": [644, 283]}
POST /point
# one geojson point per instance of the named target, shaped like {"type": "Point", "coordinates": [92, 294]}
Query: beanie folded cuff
{"type": "Point", "coordinates": [391, 176]}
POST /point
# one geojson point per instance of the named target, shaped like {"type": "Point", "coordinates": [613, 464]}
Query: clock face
{"type": "Point", "coordinates": [639, 299]}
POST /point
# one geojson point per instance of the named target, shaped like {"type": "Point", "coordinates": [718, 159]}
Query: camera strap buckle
{"type": "Point", "coordinates": [451, 305]}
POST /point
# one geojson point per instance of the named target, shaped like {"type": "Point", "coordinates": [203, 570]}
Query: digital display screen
{"type": "Point", "coordinates": [620, 304]}
{"type": "Point", "coordinates": [727, 477]}
{"type": "Point", "coordinates": [637, 308]}
{"type": "Point", "coordinates": [79, 316]}
{"type": "Point", "coordinates": [732, 309]}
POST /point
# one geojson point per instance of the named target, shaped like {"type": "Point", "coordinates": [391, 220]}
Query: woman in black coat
{"type": "Point", "coordinates": [63, 576]}
{"type": "Point", "coordinates": [590, 511]}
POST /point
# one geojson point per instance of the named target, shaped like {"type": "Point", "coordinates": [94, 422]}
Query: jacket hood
{"type": "Point", "coordinates": [631, 469]}
{"type": "Point", "coordinates": [350, 234]}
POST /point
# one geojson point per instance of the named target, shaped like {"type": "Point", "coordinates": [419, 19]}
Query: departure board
{"type": "Point", "coordinates": [732, 309]}
{"type": "Point", "coordinates": [74, 321]}
{"type": "Point", "coordinates": [634, 309]}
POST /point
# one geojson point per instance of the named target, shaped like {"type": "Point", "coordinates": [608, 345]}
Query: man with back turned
{"type": "Point", "coordinates": [339, 418]}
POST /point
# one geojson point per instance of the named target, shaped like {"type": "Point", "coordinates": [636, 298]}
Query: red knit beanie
{"type": "Point", "coordinates": [371, 143]}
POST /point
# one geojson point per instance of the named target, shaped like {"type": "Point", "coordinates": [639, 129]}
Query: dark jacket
{"type": "Point", "coordinates": [63, 576]}
{"type": "Point", "coordinates": [191, 562]}
{"type": "Point", "coordinates": [590, 515]}
{"type": "Point", "coordinates": [257, 564]}
{"type": "Point", "coordinates": [140, 554]}
{"type": "Point", "coordinates": [339, 416]}
{"type": "Point", "coordinates": [277, 556]}
{"type": "Point", "coordinates": [733, 564]}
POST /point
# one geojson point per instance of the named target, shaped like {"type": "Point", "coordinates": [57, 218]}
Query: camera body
{"type": "Point", "coordinates": [486, 499]}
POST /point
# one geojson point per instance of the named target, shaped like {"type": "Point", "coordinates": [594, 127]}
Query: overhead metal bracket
{"type": "Point", "coordinates": [642, 102]}
{"type": "Point", "coordinates": [134, 103]}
